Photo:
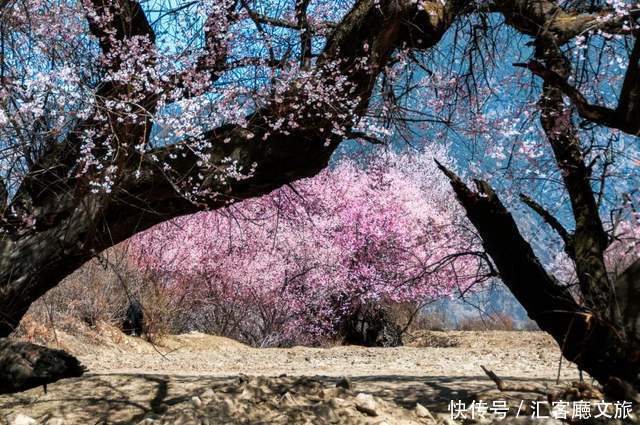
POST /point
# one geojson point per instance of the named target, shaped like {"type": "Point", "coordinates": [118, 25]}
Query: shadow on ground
{"type": "Point", "coordinates": [129, 398]}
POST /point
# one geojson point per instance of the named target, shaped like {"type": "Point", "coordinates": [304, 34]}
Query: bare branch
{"type": "Point", "coordinates": [551, 221]}
{"type": "Point", "coordinates": [613, 118]}
{"type": "Point", "coordinates": [513, 387]}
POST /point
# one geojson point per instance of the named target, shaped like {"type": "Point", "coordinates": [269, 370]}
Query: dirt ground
{"type": "Point", "coordinates": [197, 378]}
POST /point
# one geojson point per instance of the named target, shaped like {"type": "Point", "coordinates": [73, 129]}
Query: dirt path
{"type": "Point", "coordinates": [130, 382]}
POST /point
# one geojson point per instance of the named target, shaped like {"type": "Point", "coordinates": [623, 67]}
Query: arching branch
{"type": "Point", "coordinates": [624, 117]}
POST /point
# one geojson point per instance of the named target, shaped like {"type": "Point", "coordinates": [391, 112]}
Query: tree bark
{"type": "Point", "coordinates": [584, 336]}
{"type": "Point", "coordinates": [592, 330]}
{"type": "Point", "coordinates": [71, 224]}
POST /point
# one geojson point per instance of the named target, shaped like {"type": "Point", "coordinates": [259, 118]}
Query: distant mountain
{"type": "Point", "coordinates": [486, 303]}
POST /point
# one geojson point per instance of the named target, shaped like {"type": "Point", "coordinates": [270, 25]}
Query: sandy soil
{"type": "Point", "coordinates": [198, 378]}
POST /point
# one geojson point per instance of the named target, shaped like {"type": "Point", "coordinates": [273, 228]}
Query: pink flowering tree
{"type": "Point", "coordinates": [120, 115]}
{"type": "Point", "coordinates": [296, 263]}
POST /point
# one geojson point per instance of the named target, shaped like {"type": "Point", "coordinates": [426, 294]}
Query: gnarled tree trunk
{"type": "Point", "coordinates": [586, 337]}
{"type": "Point", "coordinates": [71, 223]}
{"type": "Point", "coordinates": [594, 331]}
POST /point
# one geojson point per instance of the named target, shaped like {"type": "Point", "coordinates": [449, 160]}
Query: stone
{"type": "Point", "coordinates": [336, 402]}
{"type": "Point", "coordinates": [21, 419]}
{"type": "Point", "coordinates": [327, 414]}
{"type": "Point", "coordinates": [289, 399]}
{"type": "Point", "coordinates": [366, 404]}
{"type": "Point", "coordinates": [55, 421]}
{"type": "Point", "coordinates": [445, 419]}
{"type": "Point", "coordinates": [208, 394]}
{"type": "Point", "coordinates": [423, 412]}
{"type": "Point", "coordinates": [228, 408]}
{"type": "Point", "coordinates": [150, 418]}
{"type": "Point", "coordinates": [197, 403]}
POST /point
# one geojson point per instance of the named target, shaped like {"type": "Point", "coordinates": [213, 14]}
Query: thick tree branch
{"type": "Point", "coordinates": [128, 20]}
{"type": "Point", "coordinates": [623, 118]}
{"type": "Point", "coordinates": [50, 179]}
{"type": "Point", "coordinates": [212, 63]}
{"type": "Point", "coordinates": [73, 224]}
{"type": "Point", "coordinates": [566, 237]}
{"type": "Point", "coordinates": [512, 255]}
{"type": "Point", "coordinates": [282, 157]}
{"type": "Point", "coordinates": [629, 99]}
{"type": "Point", "coordinates": [583, 336]}
{"type": "Point", "coordinates": [542, 18]}
{"type": "Point", "coordinates": [595, 113]}
{"type": "Point", "coordinates": [590, 239]}
{"type": "Point", "coordinates": [305, 32]}
{"type": "Point", "coordinates": [545, 19]}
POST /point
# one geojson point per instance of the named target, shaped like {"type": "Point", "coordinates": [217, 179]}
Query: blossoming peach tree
{"type": "Point", "coordinates": [117, 115]}
{"type": "Point", "coordinates": [296, 263]}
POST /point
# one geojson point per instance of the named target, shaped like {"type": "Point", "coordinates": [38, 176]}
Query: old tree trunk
{"type": "Point", "coordinates": [55, 222]}
{"type": "Point", "coordinates": [598, 331]}
{"type": "Point", "coordinates": [71, 224]}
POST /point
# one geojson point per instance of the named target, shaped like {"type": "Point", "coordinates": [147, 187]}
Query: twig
{"type": "Point", "coordinates": [495, 378]}
{"type": "Point", "coordinates": [512, 387]}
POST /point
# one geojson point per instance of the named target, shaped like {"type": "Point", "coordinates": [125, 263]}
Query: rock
{"type": "Point", "coordinates": [197, 403]}
{"type": "Point", "coordinates": [208, 394]}
{"type": "Point", "coordinates": [336, 402]}
{"type": "Point", "coordinates": [55, 421]}
{"type": "Point", "coordinates": [150, 418]}
{"type": "Point", "coordinates": [366, 404]}
{"type": "Point", "coordinates": [247, 394]}
{"type": "Point", "coordinates": [423, 412]}
{"type": "Point", "coordinates": [289, 399]}
{"type": "Point", "coordinates": [327, 414]}
{"type": "Point", "coordinates": [183, 420]}
{"type": "Point", "coordinates": [345, 383]}
{"type": "Point", "coordinates": [21, 419]}
{"type": "Point", "coordinates": [329, 393]}
{"type": "Point", "coordinates": [228, 408]}
{"type": "Point", "coordinates": [445, 419]}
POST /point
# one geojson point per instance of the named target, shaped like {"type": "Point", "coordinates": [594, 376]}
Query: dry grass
{"type": "Point", "coordinates": [100, 292]}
